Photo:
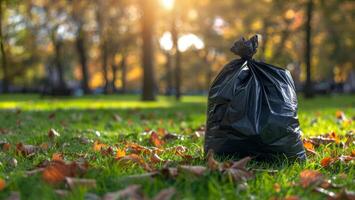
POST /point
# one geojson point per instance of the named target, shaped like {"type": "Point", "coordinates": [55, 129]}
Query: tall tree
{"type": "Point", "coordinates": [5, 83]}
{"type": "Point", "coordinates": [78, 12]}
{"type": "Point", "coordinates": [148, 20]}
{"type": "Point", "coordinates": [308, 49]}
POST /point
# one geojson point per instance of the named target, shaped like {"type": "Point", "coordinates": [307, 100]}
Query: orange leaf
{"type": "Point", "coordinates": [308, 145]}
{"type": "Point", "coordinates": [310, 178]}
{"type": "Point", "coordinates": [138, 149]}
{"type": "Point", "coordinates": [277, 187]}
{"type": "Point", "coordinates": [340, 115]}
{"type": "Point", "coordinates": [57, 171]}
{"type": "Point", "coordinates": [98, 146]}
{"type": "Point", "coordinates": [136, 159]}
{"type": "Point", "coordinates": [57, 157]}
{"type": "Point", "coordinates": [6, 146]}
{"type": "Point", "coordinates": [155, 140]}
{"type": "Point", "coordinates": [161, 132]}
{"type": "Point", "coordinates": [2, 184]}
{"type": "Point", "coordinates": [334, 136]}
{"type": "Point", "coordinates": [353, 153]}
{"type": "Point", "coordinates": [120, 153]}
{"type": "Point", "coordinates": [325, 162]}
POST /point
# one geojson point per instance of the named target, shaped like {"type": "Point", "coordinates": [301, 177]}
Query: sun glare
{"type": "Point", "coordinates": [168, 4]}
{"type": "Point", "coordinates": [166, 41]}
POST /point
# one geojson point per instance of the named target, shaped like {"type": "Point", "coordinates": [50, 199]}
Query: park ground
{"type": "Point", "coordinates": [94, 128]}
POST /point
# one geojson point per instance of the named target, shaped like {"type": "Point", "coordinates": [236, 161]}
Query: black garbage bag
{"type": "Point", "coordinates": [252, 109]}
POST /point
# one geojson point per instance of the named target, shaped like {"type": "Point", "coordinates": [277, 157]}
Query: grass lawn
{"type": "Point", "coordinates": [28, 119]}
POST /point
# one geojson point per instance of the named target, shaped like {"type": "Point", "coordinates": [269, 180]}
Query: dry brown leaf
{"type": "Point", "coordinates": [241, 164]}
{"type": "Point", "coordinates": [340, 115]}
{"type": "Point", "coordinates": [169, 172]}
{"type": "Point", "coordinates": [195, 170]}
{"type": "Point", "coordinates": [26, 150]}
{"type": "Point", "coordinates": [5, 146]}
{"type": "Point", "coordinates": [156, 159]}
{"type": "Point", "coordinates": [80, 182]}
{"type": "Point", "coordinates": [345, 159]}
{"type": "Point", "coordinates": [137, 149]}
{"type": "Point", "coordinates": [130, 192]}
{"type": "Point", "coordinates": [52, 133]}
{"type": "Point", "coordinates": [334, 136]}
{"type": "Point", "coordinates": [136, 159]}
{"type": "Point", "coordinates": [277, 187]}
{"type": "Point", "coordinates": [310, 178]}
{"type": "Point", "coordinates": [212, 164]}
{"type": "Point", "coordinates": [165, 194]}
{"type": "Point", "coordinates": [239, 174]}
{"type": "Point", "coordinates": [2, 184]}
{"type": "Point", "coordinates": [57, 171]}
{"type": "Point", "coordinates": [155, 140]}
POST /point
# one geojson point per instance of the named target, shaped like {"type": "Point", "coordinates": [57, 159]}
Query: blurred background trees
{"type": "Point", "coordinates": [150, 47]}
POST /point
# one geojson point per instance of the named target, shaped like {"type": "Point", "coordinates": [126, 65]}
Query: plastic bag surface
{"type": "Point", "coordinates": [252, 109]}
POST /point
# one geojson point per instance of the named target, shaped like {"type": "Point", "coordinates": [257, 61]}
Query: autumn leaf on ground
{"type": "Point", "coordinates": [57, 171]}
{"type": "Point", "coordinates": [117, 117]}
{"type": "Point", "coordinates": [344, 195]}
{"type": "Point", "coordinates": [78, 182]}
{"type": "Point", "coordinates": [327, 161]}
{"type": "Point", "coordinates": [120, 154]}
{"type": "Point", "coordinates": [212, 164]}
{"type": "Point", "coordinates": [195, 170]}
{"type": "Point", "coordinates": [156, 159]}
{"type": "Point", "coordinates": [2, 184]}
{"type": "Point", "coordinates": [239, 174]}
{"type": "Point", "coordinates": [309, 146]}
{"type": "Point", "coordinates": [135, 159]}
{"type": "Point", "coordinates": [165, 194]}
{"type": "Point", "coordinates": [98, 146]}
{"type": "Point", "coordinates": [310, 178]}
{"type": "Point", "coordinates": [52, 133]}
{"type": "Point", "coordinates": [57, 157]}
{"type": "Point", "coordinates": [155, 140]}
{"type": "Point", "coordinates": [334, 136]}
{"type": "Point", "coordinates": [26, 150]}
{"type": "Point", "coordinates": [137, 149]}
{"type": "Point", "coordinates": [277, 187]}
{"type": "Point", "coordinates": [340, 115]}
{"type": "Point", "coordinates": [5, 146]}
{"type": "Point", "coordinates": [130, 192]}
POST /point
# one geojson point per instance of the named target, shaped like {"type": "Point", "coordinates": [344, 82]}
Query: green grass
{"type": "Point", "coordinates": [83, 116]}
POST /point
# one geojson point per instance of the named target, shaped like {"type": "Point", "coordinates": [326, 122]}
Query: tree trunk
{"type": "Point", "coordinates": [308, 93]}
{"type": "Point", "coordinates": [114, 74]}
{"type": "Point", "coordinates": [5, 82]}
{"type": "Point", "coordinates": [169, 78]}
{"type": "Point", "coordinates": [124, 74]}
{"type": "Point", "coordinates": [104, 57]}
{"type": "Point", "coordinates": [175, 37]}
{"type": "Point", "coordinates": [148, 7]}
{"type": "Point", "coordinates": [58, 64]}
{"type": "Point", "coordinates": [80, 46]}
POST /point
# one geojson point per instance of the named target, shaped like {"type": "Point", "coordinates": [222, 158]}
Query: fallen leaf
{"type": "Point", "coordinates": [327, 161]}
{"type": "Point", "coordinates": [2, 184]}
{"type": "Point", "coordinates": [309, 146]}
{"type": "Point", "coordinates": [57, 171]}
{"type": "Point", "coordinates": [340, 115]}
{"type": "Point", "coordinates": [165, 194]}
{"type": "Point", "coordinates": [120, 153]}
{"type": "Point", "coordinates": [345, 159]}
{"type": "Point", "coordinates": [130, 192]}
{"type": "Point", "coordinates": [334, 136]}
{"type": "Point", "coordinates": [169, 172]}
{"type": "Point", "coordinates": [44, 146]}
{"type": "Point", "coordinates": [117, 118]}
{"type": "Point", "coordinates": [239, 174]}
{"type": "Point", "coordinates": [156, 159]}
{"type": "Point", "coordinates": [155, 140]}
{"type": "Point", "coordinates": [310, 178]}
{"type": "Point", "coordinates": [241, 164]}
{"type": "Point", "coordinates": [212, 164]}
{"type": "Point", "coordinates": [57, 157]}
{"type": "Point", "coordinates": [51, 116]}
{"type": "Point", "coordinates": [98, 146]}
{"type": "Point", "coordinates": [5, 146]}
{"type": "Point", "coordinates": [26, 150]}
{"type": "Point", "coordinates": [195, 170]}
{"type": "Point", "coordinates": [136, 159]}
{"type": "Point", "coordinates": [52, 133]}
{"type": "Point", "coordinates": [137, 149]}
{"type": "Point", "coordinates": [292, 197]}
{"type": "Point", "coordinates": [80, 182]}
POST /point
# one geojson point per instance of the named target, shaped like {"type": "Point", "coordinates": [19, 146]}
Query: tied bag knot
{"type": "Point", "coordinates": [245, 48]}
